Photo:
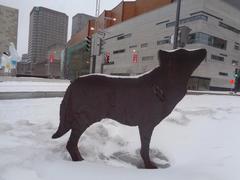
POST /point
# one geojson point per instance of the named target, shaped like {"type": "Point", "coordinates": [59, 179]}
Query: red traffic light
{"type": "Point", "coordinates": [232, 81]}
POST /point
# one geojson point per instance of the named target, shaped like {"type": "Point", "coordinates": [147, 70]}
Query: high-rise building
{"type": "Point", "coordinates": [79, 21]}
{"type": "Point", "coordinates": [47, 27]}
{"type": "Point", "coordinates": [8, 27]}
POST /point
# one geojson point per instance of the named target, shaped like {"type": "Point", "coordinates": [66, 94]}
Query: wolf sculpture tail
{"type": "Point", "coordinates": [65, 117]}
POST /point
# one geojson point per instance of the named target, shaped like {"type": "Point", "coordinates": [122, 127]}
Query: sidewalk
{"type": "Point", "coordinates": [30, 95]}
{"type": "Point", "coordinates": [225, 93]}
{"type": "Point", "coordinates": [25, 88]}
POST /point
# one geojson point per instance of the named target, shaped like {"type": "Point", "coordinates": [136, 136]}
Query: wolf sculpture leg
{"type": "Point", "coordinates": [145, 137]}
{"type": "Point", "coordinates": [72, 145]}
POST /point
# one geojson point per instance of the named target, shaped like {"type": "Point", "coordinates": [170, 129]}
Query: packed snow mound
{"type": "Point", "coordinates": [115, 144]}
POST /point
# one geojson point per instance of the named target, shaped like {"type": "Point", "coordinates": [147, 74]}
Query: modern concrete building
{"type": "Point", "coordinates": [77, 58]}
{"type": "Point", "coordinates": [47, 27]}
{"type": "Point", "coordinates": [8, 27]}
{"type": "Point", "coordinates": [131, 47]}
{"type": "Point", "coordinates": [79, 21]}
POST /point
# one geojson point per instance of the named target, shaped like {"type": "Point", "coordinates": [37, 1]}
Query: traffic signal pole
{"type": "Point", "coordinates": [93, 63]}
{"type": "Point", "coordinates": [175, 42]}
{"type": "Point", "coordinates": [237, 80]}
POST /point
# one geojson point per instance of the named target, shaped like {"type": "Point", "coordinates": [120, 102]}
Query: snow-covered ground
{"type": "Point", "coordinates": [198, 141]}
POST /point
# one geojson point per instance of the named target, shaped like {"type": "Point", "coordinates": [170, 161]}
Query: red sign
{"type": "Point", "coordinates": [107, 57]}
{"type": "Point", "coordinates": [232, 81]}
{"type": "Point", "coordinates": [135, 57]}
{"type": "Point", "coordinates": [51, 58]}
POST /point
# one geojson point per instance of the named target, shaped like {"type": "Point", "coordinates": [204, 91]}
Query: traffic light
{"type": "Point", "coordinates": [88, 42]}
{"type": "Point", "coordinates": [237, 73]}
{"type": "Point", "coordinates": [183, 34]}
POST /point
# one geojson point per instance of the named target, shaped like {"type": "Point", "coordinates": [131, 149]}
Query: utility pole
{"type": "Point", "coordinates": [175, 43]}
{"type": "Point", "coordinates": [94, 55]}
{"type": "Point", "coordinates": [97, 12]}
{"type": "Point", "coordinates": [237, 80]}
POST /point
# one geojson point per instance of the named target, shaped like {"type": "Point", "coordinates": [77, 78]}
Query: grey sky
{"type": "Point", "coordinates": [69, 7]}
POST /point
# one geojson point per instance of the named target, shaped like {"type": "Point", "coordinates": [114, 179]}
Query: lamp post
{"type": "Point", "coordinates": [175, 42]}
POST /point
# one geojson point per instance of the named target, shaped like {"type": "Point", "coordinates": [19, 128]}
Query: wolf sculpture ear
{"type": "Point", "coordinates": [166, 58]}
{"type": "Point", "coordinates": [192, 56]}
{"type": "Point", "coordinates": [162, 56]}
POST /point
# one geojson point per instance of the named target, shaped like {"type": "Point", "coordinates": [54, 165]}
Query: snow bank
{"type": "Point", "coordinates": [28, 86]}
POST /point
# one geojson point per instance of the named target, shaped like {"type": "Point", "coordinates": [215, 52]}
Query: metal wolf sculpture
{"type": "Point", "coordinates": [143, 101]}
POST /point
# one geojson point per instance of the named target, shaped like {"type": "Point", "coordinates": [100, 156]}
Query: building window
{"type": "Point", "coordinates": [147, 58]}
{"type": "Point", "coordinates": [189, 19]}
{"type": "Point", "coordinates": [124, 36]}
{"type": "Point", "coordinates": [119, 51]}
{"type": "Point", "coordinates": [162, 22]}
{"type": "Point", "coordinates": [164, 41]}
{"type": "Point", "coordinates": [144, 45]}
{"type": "Point", "coordinates": [217, 58]}
{"type": "Point", "coordinates": [197, 83]}
{"type": "Point", "coordinates": [113, 36]}
{"type": "Point", "coordinates": [223, 74]}
{"type": "Point", "coordinates": [234, 63]}
{"type": "Point", "coordinates": [133, 46]}
{"type": "Point", "coordinates": [225, 55]}
{"type": "Point", "coordinates": [207, 39]}
{"type": "Point", "coordinates": [236, 46]}
{"type": "Point", "coordinates": [228, 27]}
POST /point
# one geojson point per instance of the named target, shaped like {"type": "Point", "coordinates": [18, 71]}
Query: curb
{"type": "Point", "coordinates": [52, 94]}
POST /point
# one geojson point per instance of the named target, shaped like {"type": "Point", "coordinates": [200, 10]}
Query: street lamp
{"type": "Point", "coordinates": [110, 18]}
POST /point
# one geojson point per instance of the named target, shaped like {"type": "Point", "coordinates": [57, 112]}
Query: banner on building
{"type": "Point", "coordinates": [134, 57]}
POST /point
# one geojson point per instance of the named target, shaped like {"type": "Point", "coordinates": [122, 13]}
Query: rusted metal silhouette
{"type": "Point", "coordinates": [143, 101]}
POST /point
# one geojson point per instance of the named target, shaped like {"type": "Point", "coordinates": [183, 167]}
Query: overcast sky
{"type": "Point", "coordinates": [69, 7]}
